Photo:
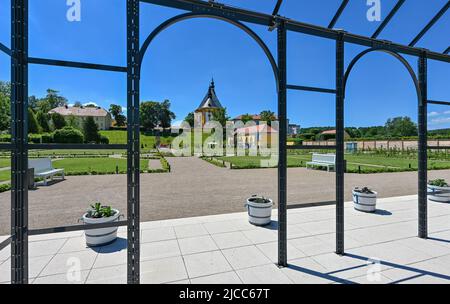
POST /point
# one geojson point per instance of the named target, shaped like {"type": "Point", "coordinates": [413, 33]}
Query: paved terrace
{"type": "Point", "coordinates": [195, 188]}
{"type": "Point", "coordinates": [226, 249]}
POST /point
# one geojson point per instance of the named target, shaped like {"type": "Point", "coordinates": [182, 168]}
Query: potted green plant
{"type": "Point", "coordinates": [99, 214]}
{"type": "Point", "coordinates": [364, 199]}
{"type": "Point", "coordinates": [438, 191]}
{"type": "Point", "coordinates": [259, 210]}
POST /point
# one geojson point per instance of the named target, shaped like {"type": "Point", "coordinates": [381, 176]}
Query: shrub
{"type": "Point", "coordinates": [5, 187]}
{"type": "Point", "coordinates": [34, 138]}
{"type": "Point", "coordinates": [58, 121]}
{"type": "Point", "coordinates": [5, 138]}
{"type": "Point", "coordinates": [90, 130]}
{"type": "Point", "coordinates": [68, 135]}
{"type": "Point", "coordinates": [47, 138]}
{"type": "Point", "coordinates": [104, 140]}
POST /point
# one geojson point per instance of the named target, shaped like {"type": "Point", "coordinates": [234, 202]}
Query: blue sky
{"type": "Point", "coordinates": [181, 61]}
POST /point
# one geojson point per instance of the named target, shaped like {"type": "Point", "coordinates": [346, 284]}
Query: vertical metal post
{"type": "Point", "coordinates": [423, 143]}
{"type": "Point", "coordinates": [19, 134]}
{"type": "Point", "coordinates": [133, 130]}
{"type": "Point", "coordinates": [340, 144]}
{"type": "Point", "coordinates": [282, 159]}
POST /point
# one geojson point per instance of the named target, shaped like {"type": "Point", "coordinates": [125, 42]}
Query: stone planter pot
{"type": "Point", "coordinates": [365, 202]}
{"type": "Point", "coordinates": [101, 236]}
{"type": "Point", "coordinates": [259, 214]}
{"type": "Point", "coordinates": [438, 194]}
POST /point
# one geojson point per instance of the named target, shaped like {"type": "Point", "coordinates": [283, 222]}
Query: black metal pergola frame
{"type": "Point", "coordinates": [19, 145]}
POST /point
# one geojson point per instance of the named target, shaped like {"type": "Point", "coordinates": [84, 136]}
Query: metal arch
{"type": "Point", "coordinates": [392, 53]}
{"type": "Point", "coordinates": [187, 16]}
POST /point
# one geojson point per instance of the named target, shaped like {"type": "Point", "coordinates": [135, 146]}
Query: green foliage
{"type": "Point", "coordinates": [104, 140]}
{"type": "Point", "coordinates": [58, 121]}
{"type": "Point", "coordinates": [246, 118]}
{"type": "Point", "coordinates": [259, 199]}
{"type": "Point", "coordinates": [5, 107]}
{"type": "Point", "coordinates": [267, 116]}
{"type": "Point", "coordinates": [33, 125]}
{"type": "Point", "coordinates": [68, 135]}
{"type": "Point", "coordinates": [438, 183]}
{"type": "Point", "coordinates": [90, 130]}
{"type": "Point", "coordinates": [5, 187]}
{"type": "Point", "coordinates": [99, 211]}
{"type": "Point", "coordinates": [400, 126]}
{"type": "Point", "coordinates": [155, 114]}
{"type": "Point", "coordinates": [190, 119]}
{"type": "Point", "coordinates": [43, 119]}
{"type": "Point", "coordinates": [221, 116]}
{"type": "Point", "coordinates": [165, 115]}
{"type": "Point", "coordinates": [117, 113]}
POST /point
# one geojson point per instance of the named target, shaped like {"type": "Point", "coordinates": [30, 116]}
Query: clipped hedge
{"type": "Point", "coordinates": [68, 135]}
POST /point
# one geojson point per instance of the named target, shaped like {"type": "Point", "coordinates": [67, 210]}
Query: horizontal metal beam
{"type": "Point", "coordinates": [438, 102]}
{"type": "Point", "coordinates": [447, 51]}
{"type": "Point", "coordinates": [388, 18]}
{"type": "Point", "coordinates": [430, 24]}
{"type": "Point", "coordinates": [307, 205]}
{"type": "Point", "coordinates": [77, 146]}
{"type": "Point", "coordinates": [338, 14]}
{"type": "Point", "coordinates": [5, 243]}
{"type": "Point", "coordinates": [6, 146]}
{"type": "Point", "coordinates": [310, 89]}
{"type": "Point", "coordinates": [438, 147]}
{"type": "Point", "coordinates": [79, 65]}
{"type": "Point", "coordinates": [291, 25]}
{"type": "Point", "coordinates": [75, 228]}
{"type": "Point", "coordinates": [5, 49]}
{"type": "Point", "coordinates": [311, 147]}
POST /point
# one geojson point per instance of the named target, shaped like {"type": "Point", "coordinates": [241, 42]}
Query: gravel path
{"type": "Point", "coordinates": [195, 187]}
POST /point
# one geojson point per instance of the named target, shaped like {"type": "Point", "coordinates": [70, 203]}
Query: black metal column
{"type": "Point", "coordinates": [423, 143]}
{"type": "Point", "coordinates": [282, 159]}
{"type": "Point", "coordinates": [340, 144]}
{"type": "Point", "coordinates": [133, 157]}
{"type": "Point", "coordinates": [19, 133]}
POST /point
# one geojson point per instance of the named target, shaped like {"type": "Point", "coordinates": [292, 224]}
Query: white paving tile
{"type": "Point", "coordinates": [108, 275]}
{"type": "Point", "coordinates": [163, 271]}
{"type": "Point", "coordinates": [62, 263]}
{"type": "Point", "coordinates": [307, 271]}
{"type": "Point", "coordinates": [185, 231]}
{"type": "Point", "coordinates": [265, 274]}
{"type": "Point", "coordinates": [270, 250]}
{"type": "Point", "coordinates": [158, 250]}
{"type": "Point", "coordinates": [47, 247]}
{"type": "Point", "coordinates": [197, 244]}
{"type": "Point", "coordinates": [74, 244]}
{"type": "Point", "coordinates": [261, 235]}
{"type": "Point", "coordinates": [36, 264]}
{"type": "Point", "coordinates": [72, 278]}
{"type": "Point", "coordinates": [206, 263]}
{"type": "Point", "coordinates": [159, 234]}
{"type": "Point", "coordinates": [244, 257]}
{"type": "Point", "coordinates": [220, 278]}
{"type": "Point", "coordinates": [231, 239]}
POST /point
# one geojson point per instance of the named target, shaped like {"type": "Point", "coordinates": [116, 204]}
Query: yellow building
{"type": "Point", "coordinates": [209, 104]}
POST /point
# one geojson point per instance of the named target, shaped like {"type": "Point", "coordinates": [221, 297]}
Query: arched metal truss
{"type": "Point", "coordinates": [196, 8]}
{"type": "Point", "coordinates": [172, 21]}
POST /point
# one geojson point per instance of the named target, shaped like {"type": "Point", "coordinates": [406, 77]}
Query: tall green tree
{"type": "Point", "coordinates": [221, 116]}
{"type": "Point", "coordinates": [400, 127]}
{"type": "Point", "coordinates": [190, 119]}
{"type": "Point", "coordinates": [149, 114]}
{"type": "Point", "coordinates": [90, 130]}
{"type": "Point", "coordinates": [33, 125]}
{"type": "Point", "coordinates": [246, 118]}
{"type": "Point", "coordinates": [54, 100]}
{"type": "Point", "coordinates": [5, 105]}
{"type": "Point", "coordinates": [165, 114]}
{"type": "Point", "coordinates": [43, 120]}
{"type": "Point", "coordinates": [58, 121]}
{"type": "Point", "coordinates": [267, 116]}
{"type": "Point", "coordinates": [117, 113]}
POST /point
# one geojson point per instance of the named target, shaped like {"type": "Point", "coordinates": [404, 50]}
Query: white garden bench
{"type": "Point", "coordinates": [322, 160]}
{"type": "Point", "coordinates": [43, 168]}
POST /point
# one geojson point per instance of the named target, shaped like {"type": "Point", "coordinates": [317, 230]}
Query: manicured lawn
{"type": "Point", "coordinates": [5, 175]}
{"type": "Point", "coordinates": [98, 165]}
{"type": "Point", "coordinates": [5, 162]}
{"type": "Point", "coordinates": [365, 163]}
{"type": "Point", "coordinates": [120, 137]}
